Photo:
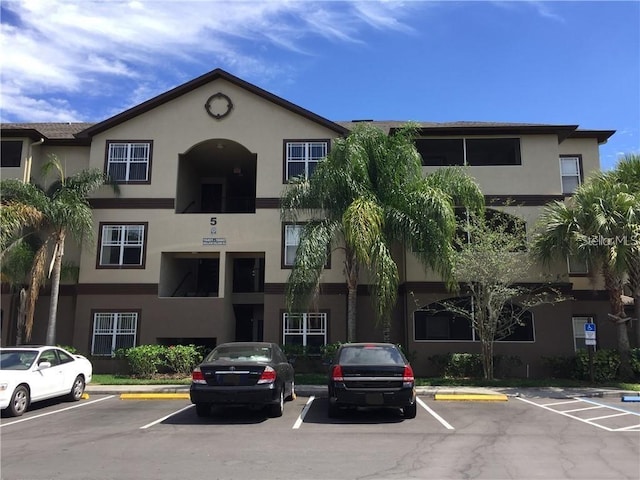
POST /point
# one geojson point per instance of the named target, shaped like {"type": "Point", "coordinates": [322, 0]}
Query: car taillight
{"type": "Point", "coordinates": [407, 376]}
{"type": "Point", "coordinates": [336, 374]}
{"type": "Point", "coordinates": [268, 375]}
{"type": "Point", "coordinates": [197, 376]}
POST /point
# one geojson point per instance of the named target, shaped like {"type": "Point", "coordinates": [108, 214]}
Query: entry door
{"type": "Point", "coordinates": [249, 324]}
{"type": "Point", "coordinates": [211, 197]}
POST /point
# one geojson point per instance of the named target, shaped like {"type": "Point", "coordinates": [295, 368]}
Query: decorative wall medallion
{"type": "Point", "coordinates": [218, 105]}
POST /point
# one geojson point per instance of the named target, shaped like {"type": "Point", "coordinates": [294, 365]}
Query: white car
{"type": "Point", "coordinates": [32, 373]}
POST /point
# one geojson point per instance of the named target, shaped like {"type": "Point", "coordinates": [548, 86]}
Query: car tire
{"type": "Point", "coordinates": [203, 409]}
{"type": "Point", "coordinates": [292, 395]}
{"type": "Point", "coordinates": [19, 401]}
{"type": "Point", "coordinates": [410, 411]}
{"type": "Point", "coordinates": [77, 390]}
{"type": "Point", "coordinates": [277, 409]}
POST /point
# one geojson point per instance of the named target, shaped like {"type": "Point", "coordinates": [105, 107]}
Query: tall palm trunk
{"type": "Point", "coordinates": [634, 284]}
{"type": "Point", "coordinates": [351, 272]}
{"type": "Point", "coordinates": [614, 284]}
{"type": "Point", "coordinates": [55, 288]}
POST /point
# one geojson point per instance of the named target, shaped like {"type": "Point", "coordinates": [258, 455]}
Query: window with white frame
{"type": "Point", "coordinates": [579, 342]}
{"type": "Point", "coordinates": [128, 161]}
{"type": "Point", "coordinates": [113, 330]}
{"type": "Point", "coordinates": [302, 157]}
{"type": "Point", "coordinates": [570, 172]}
{"type": "Point", "coordinates": [122, 245]}
{"type": "Point", "coordinates": [308, 330]}
{"type": "Point", "coordinates": [291, 241]}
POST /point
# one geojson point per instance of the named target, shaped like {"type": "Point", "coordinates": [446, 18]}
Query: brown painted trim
{"type": "Point", "coordinates": [325, 289]}
{"type": "Point", "coordinates": [601, 135]}
{"type": "Point", "coordinates": [562, 131]}
{"type": "Point", "coordinates": [590, 295]}
{"type": "Point", "coordinates": [117, 289]}
{"type": "Point", "coordinates": [133, 203]}
{"type": "Point", "coordinates": [268, 203]}
{"type": "Point", "coordinates": [145, 231]}
{"type": "Point", "coordinates": [521, 200]}
{"type": "Point", "coordinates": [440, 287]}
{"type": "Point", "coordinates": [199, 82]}
{"type": "Point", "coordinates": [108, 143]}
{"type": "Point", "coordinates": [273, 203]}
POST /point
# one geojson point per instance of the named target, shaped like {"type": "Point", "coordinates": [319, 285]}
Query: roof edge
{"type": "Point", "coordinates": [196, 83]}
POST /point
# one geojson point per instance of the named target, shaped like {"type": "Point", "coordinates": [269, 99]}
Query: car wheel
{"type": "Point", "coordinates": [333, 411]}
{"type": "Point", "coordinates": [410, 410]}
{"type": "Point", "coordinates": [203, 409]}
{"type": "Point", "coordinates": [19, 401]}
{"type": "Point", "coordinates": [77, 390]}
{"type": "Point", "coordinates": [277, 409]}
{"type": "Point", "coordinates": [292, 395]}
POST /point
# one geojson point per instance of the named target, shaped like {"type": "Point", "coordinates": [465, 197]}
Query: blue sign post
{"type": "Point", "coordinates": [590, 342]}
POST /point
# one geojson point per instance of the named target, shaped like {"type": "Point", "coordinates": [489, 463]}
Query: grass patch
{"type": "Point", "coordinates": [321, 379]}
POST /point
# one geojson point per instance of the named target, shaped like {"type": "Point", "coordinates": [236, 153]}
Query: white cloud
{"type": "Point", "coordinates": [64, 46]}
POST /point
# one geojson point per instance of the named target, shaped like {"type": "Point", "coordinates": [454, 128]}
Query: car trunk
{"type": "Point", "coordinates": [232, 375]}
{"type": "Point", "coordinates": [365, 376]}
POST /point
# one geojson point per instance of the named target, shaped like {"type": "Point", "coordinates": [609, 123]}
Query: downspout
{"type": "Point", "coordinates": [29, 161]}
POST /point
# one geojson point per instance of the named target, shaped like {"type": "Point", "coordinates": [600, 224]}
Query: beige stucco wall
{"type": "Point", "coordinates": [178, 125]}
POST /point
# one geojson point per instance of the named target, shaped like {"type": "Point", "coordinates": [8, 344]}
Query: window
{"type": "Point", "coordinates": [441, 152]}
{"type": "Point", "coordinates": [576, 266]}
{"type": "Point", "coordinates": [129, 161]}
{"type": "Point", "coordinates": [302, 157]}
{"type": "Point", "coordinates": [11, 154]}
{"type": "Point", "coordinates": [291, 241]}
{"type": "Point", "coordinates": [492, 151]}
{"type": "Point", "coordinates": [469, 151]}
{"type": "Point", "coordinates": [579, 341]}
{"type": "Point", "coordinates": [435, 323]}
{"type": "Point", "coordinates": [305, 329]}
{"type": "Point", "coordinates": [571, 173]}
{"type": "Point", "coordinates": [122, 245]}
{"type": "Point", "coordinates": [113, 330]}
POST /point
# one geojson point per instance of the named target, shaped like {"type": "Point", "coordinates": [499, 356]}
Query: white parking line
{"type": "Point", "coordinates": [55, 411]}
{"type": "Point", "coordinates": [581, 409]}
{"type": "Point", "coordinates": [434, 414]}
{"type": "Point", "coordinates": [303, 413]}
{"type": "Point", "coordinates": [165, 417]}
{"type": "Point", "coordinates": [587, 421]}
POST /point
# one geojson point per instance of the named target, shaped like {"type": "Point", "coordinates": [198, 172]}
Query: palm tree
{"type": "Point", "coordinates": [594, 225]}
{"type": "Point", "coordinates": [627, 172]}
{"type": "Point", "coordinates": [366, 196]}
{"type": "Point", "coordinates": [54, 214]}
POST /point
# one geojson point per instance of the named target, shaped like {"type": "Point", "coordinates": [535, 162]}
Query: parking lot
{"type": "Point", "coordinates": [105, 437]}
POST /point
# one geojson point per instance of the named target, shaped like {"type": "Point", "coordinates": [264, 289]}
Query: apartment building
{"type": "Point", "coordinates": [193, 249]}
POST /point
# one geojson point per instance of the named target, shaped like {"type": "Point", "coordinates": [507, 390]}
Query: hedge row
{"type": "Point", "coordinates": [606, 363]}
{"type": "Point", "coordinates": [148, 360]}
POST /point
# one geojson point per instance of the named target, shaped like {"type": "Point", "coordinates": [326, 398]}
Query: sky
{"type": "Point", "coordinates": [559, 62]}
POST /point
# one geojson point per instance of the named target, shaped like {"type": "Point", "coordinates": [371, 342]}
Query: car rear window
{"type": "Point", "coordinates": [370, 355]}
{"type": "Point", "coordinates": [241, 354]}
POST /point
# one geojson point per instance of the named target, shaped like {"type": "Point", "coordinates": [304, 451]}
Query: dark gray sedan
{"type": "Point", "coordinates": [255, 374]}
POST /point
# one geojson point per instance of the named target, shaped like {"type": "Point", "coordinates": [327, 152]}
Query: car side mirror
{"type": "Point", "coordinates": [43, 365]}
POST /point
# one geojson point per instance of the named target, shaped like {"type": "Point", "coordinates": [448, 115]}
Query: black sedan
{"type": "Point", "coordinates": [371, 375]}
{"type": "Point", "coordinates": [255, 374]}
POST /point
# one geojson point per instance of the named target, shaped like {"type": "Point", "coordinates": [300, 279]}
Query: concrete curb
{"type": "Point", "coordinates": [457, 393]}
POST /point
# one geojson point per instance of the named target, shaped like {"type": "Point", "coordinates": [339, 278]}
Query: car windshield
{"type": "Point", "coordinates": [238, 353]}
{"type": "Point", "coordinates": [371, 355]}
{"type": "Point", "coordinates": [17, 359]}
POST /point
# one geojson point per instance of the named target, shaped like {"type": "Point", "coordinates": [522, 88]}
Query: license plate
{"type": "Point", "coordinates": [374, 399]}
{"type": "Point", "coordinates": [231, 379]}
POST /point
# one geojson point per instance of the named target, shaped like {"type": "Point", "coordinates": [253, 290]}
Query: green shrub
{"type": "Point", "coordinates": [605, 365]}
{"type": "Point", "coordinates": [143, 360]}
{"type": "Point", "coordinates": [560, 366]}
{"type": "Point", "coordinates": [181, 359]}
{"type": "Point", "coordinates": [469, 365]}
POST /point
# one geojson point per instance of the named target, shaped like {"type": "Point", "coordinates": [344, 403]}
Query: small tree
{"type": "Point", "coordinates": [491, 259]}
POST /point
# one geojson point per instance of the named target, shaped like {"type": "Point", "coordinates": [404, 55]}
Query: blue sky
{"type": "Point", "coordinates": [521, 61]}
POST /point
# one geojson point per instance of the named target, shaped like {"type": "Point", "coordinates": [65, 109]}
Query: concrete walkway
{"type": "Point", "coordinates": [443, 392]}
